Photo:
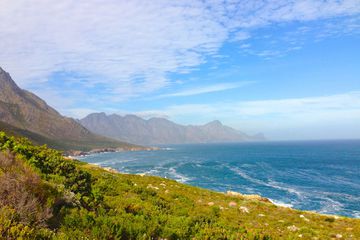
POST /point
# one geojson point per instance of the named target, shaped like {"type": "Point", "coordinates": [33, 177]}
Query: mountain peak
{"type": "Point", "coordinates": [100, 114]}
{"type": "Point", "coordinates": [214, 123]}
{"type": "Point", "coordinates": [7, 85]}
{"type": "Point", "coordinates": [132, 116]}
{"type": "Point", "coordinates": [4, 75]}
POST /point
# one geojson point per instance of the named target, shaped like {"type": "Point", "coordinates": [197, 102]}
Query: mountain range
{"type": "Point", "coordinates": [133, 129]}
{"type": "Point", "coordinates": [22, 113]}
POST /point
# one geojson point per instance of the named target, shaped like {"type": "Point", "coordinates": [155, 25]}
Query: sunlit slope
{"type": "Point", "coordinates": [82, 201]}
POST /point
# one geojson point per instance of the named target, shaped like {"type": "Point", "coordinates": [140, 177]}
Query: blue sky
{"type": "Point", "coordinates": [289, 69]}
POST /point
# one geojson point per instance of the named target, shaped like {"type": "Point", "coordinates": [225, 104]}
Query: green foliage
{"type": "Point", "coordinates": [25, 201]}
{"type": "Point", "coordinates": [50, 163]}
{"type": "Point", "coordinates": [12, 228]}
{"type": "Point", "coordinates": [88, 202]}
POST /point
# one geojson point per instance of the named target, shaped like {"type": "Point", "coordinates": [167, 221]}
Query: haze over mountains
{"type": "Point", "coordinates": [133, 129]}
{"type": "Point", "coordinates": [23, 113]}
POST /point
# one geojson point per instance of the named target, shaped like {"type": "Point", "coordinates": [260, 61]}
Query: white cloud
{"type": "Point", "coordinates": [285, 107]}
{"type": "Point", "coordinates": [259, 12]}
{"type": "Point", "coordinates": [131, 46]}
{"type": "Point", "coordinates": [240, 36]}
{"type": "Point", "coordinates": [206, 89]}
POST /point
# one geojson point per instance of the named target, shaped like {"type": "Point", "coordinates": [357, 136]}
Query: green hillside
{"type": "Point", "coordinates": [45, 196]}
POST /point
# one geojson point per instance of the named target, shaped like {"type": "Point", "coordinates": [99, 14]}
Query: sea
{"type": "Point", "coordinates": [321, 176]}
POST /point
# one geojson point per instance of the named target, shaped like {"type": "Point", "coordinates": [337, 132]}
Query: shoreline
{"type": "Point", "coordinates": [251, 197]}
{"type": "Point", "coordinates": [72, 154]}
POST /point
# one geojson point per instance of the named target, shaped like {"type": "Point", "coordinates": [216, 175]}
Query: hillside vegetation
{"type": "Point", "coordinates": [44, 196]}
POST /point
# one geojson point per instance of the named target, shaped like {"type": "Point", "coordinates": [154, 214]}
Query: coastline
{"type": "Point", "coordinates": [275, 175]}
{"type": "Point", "coordinates": [72, 154]}
{"type": "Point", "coordinates": [248, 197]}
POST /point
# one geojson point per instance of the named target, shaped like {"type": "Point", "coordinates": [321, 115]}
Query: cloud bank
{"type": "Point", "coordinates": [130, 47]}
{"type": "Point", "coordinates": [207, 89]}
{"type": "Point", "coordinates": [84, 55]}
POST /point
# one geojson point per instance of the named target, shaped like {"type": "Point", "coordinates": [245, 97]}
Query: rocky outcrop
{"type": "Point", "coordinates": [75, 153]}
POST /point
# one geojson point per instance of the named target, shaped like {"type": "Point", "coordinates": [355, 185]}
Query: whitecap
{"type": "Point", "coordinates": [271, 184]}
{"type": "Point", "coordinates": [356, 214]}
{"type": "Point", "coordinates": [330, 206]}
{"type": "Point", "coordinates": [97, 164]}
{"type": "Point", "coordinates": [177, 176]}
{"type": "Point", "coordinates": [246, 165]}
{"type": "Point", "coordinates": [168, 149]}
{"type": "Point", "coordinates": [106, 162]}
{"type": "Point", "coordinates": [153, 172]}
{"type": "Point", "coordinates": [280, 186]}
{"type": "Point", "coordinates": [281, 204]}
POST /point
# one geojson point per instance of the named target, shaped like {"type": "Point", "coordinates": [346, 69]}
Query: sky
{"type": "Point", "coordinates": [288, 69]}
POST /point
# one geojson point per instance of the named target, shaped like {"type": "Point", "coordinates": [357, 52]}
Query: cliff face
{"type": "Point", "coordinates": [134, 129]}
{"type": "Point", "coordinates": [24, 110]}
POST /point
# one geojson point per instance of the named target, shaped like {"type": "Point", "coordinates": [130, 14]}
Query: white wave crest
{"type": "Point", "coordinates": [281, 204]}
{"type": "Point", "coordinates": [356, 214]}
{"type": "Point", "coordinates": [177, 176]}
{"type": "Point", "coordinates": [330, 206]}
{"type": "Point", "coordinates": [271, 184]}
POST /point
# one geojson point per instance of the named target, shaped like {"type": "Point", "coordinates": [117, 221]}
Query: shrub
{"type": "Point", "coordinates": [51, 163]}
{"type": "Point", "coordinates": [22, 190]}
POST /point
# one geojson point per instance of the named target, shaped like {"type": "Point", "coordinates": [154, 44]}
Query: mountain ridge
{"type": "Point", "coordinates": [134, 129]}
{"type": "Point", "coordinates": [22, 112]}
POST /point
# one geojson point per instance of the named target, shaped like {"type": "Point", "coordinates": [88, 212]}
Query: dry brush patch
{"type": "Point", "coordinates": [21, 189]}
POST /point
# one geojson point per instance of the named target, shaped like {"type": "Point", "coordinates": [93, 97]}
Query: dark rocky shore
{"type": "Point", "coordinates": [76, 153]}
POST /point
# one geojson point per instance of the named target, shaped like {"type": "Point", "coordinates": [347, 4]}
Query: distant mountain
{"type": "Point", "coordinates": [131, 128]}
{"type": "Point", "coordinates": [22, 113]}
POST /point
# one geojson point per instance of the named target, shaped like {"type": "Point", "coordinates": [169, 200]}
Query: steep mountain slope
{"type": "Point", "coordinates": [23, 112]}
{"type": "Point", "coordinates": [134, 129]}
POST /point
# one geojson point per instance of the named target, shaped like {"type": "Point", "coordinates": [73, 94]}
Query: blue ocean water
{"type": "Point", "coordinates": [322, 176]}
